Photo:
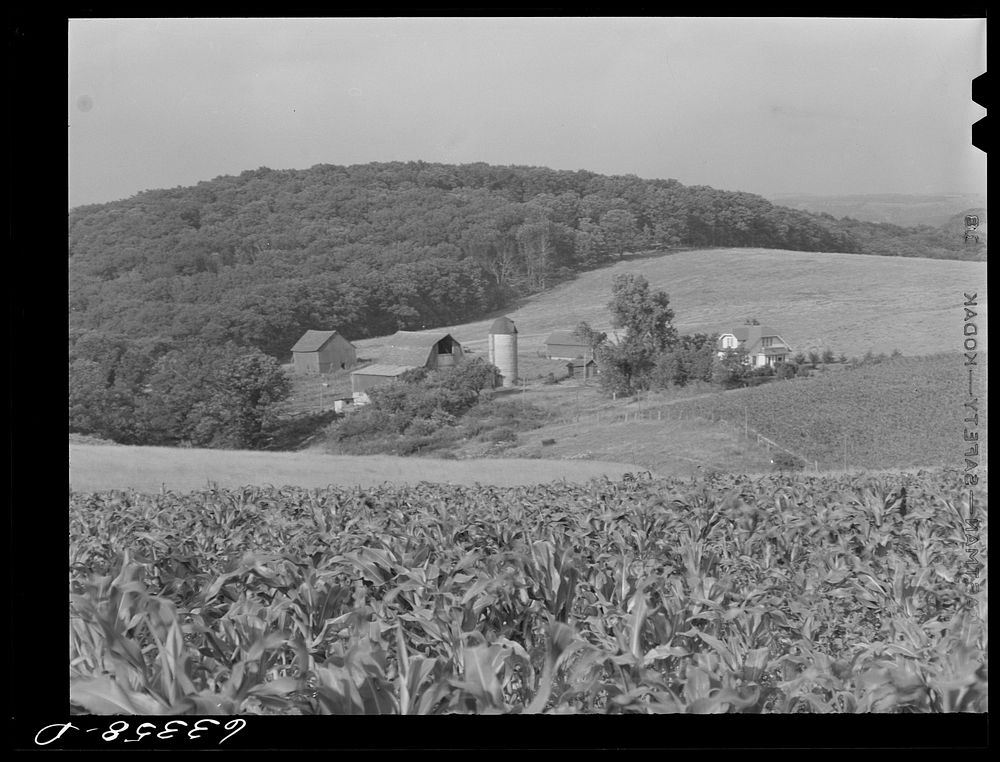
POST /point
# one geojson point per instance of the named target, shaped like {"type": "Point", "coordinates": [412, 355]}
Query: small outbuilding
{"type": "Point", "coordinates": [582, 369]}
{"type": "Point", "coordinates": [374, 375]}
{"type": "Point", "coordinates": [322, 352]}
{"type": "Point", "coordinates": [565, 345]}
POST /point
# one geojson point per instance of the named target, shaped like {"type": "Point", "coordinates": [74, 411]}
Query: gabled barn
{"type": "Point", "coordinates": [322, 352]}
{"type": "Point", "coordinates": [421, 349]}
{"type": "Point", "coordinates": [404, 351]}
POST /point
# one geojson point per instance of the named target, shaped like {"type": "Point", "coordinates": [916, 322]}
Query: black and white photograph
{"type": "Point", "coordinates": [522, 365]}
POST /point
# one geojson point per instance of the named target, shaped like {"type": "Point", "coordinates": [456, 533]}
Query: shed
{"type": "Point", "coordinates": [565, 345]}
{"type": "Point", "coordinates": [322, 352]}
{"type": "Point", "coordinates": [582, 369]}
{"type": "Point", "coordinates": [375, 375]}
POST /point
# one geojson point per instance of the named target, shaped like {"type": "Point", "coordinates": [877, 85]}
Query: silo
{"type": "Point", "coordinates": [503, 350]}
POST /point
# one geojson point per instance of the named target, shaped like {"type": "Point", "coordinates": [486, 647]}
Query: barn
{"type": "Point", "coordinates": [404, 351]}
{"type": "Point", "coordinates": [322, 352]}
{"type": "Point", "coordinates": [421, 349]}
{"type": "Point", "coordinates": [564, 345]}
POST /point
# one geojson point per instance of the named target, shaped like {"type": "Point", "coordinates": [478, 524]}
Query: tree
{"type": "Point", "coordinates": [536, 242]}
{"type": "Point", "coordinates": [247, 389]}
{"type": "Point", "coordinates": [785, 370]}
{"type": "Point", "coordinates": [731, 370]}
{"type": "Point", "coordinates": [620, 230]}
{"type": "Point", "coordinates": [625, 368]}
{"type": "Point", "coordinates": [470, 377]}
{"type": "Point", "coordinates": [593, 338]}
{"type": "Point", "coordinates": [646, 316]}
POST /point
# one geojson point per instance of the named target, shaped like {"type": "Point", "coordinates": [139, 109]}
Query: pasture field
{"type": "Point", "coordinates": [96, 467]}
{"type": "Point", "coordinates": [904, 412]}
{"type": "Point", "coordinates": [850, 303]}
{"type": "Point", "coordinates": [728, 594]}
{"type": "Point", "coordinates": [579, 423]}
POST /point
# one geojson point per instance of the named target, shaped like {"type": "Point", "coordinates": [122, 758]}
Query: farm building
{"type": "Point", "coordinates": [762, 343]}
{"type": "Point", "coordinates": [564, 345]}
{"type": "Point", "coordinates": [503, 350]}
{"type": "Point", "coordinates": [582, 369]}
{"type": "Point", "coordinates": [374, 375]}
{"type": "Point", "coordinates": [404, 351]}
{"type": "Point", "coordinates": [322, 352]}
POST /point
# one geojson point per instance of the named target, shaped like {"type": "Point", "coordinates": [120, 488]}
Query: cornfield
{"type": "Point", "coordinates": [781, 594]}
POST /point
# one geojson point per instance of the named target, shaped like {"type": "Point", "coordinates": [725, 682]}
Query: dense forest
{"type": "Point", "coordinates": [253, 261]}
{"type": "Point", "coordinates": [259, 258]}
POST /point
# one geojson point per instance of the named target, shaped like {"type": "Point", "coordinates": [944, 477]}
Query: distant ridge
{"type": "Point", "coordinates": [904, 209]}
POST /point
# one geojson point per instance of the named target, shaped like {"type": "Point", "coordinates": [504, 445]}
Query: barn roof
{"type": "Point", "coordinates": [416, 338]}
{"type": "Point", "coordinates": [411, 348]}
{"type": "Point", "coordinates": [503, 325]}
{"type": "Point", "coordinates": [566, 337]}
{"type": "Point", "coordinates": [382, 369]}
{"type": "Point", "coordinates": [313, 341]}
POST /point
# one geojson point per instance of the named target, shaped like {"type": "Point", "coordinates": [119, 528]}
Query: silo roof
{"type": "Point", "coordinates": [503, 325]}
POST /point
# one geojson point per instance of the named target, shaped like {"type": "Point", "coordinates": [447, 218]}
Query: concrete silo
{"type": "Point", "coordinates": [503, 350]}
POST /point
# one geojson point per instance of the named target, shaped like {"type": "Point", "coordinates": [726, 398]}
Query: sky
{"type": "Point", "coordinates": [768, 106]}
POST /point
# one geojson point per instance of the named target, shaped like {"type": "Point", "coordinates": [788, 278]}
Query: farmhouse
{"type": "Point", "coordinates": [404, 351]}
{"type": "Point", "coordinates": [762, 344]}
{"type": "Point", "coordinates": [322, 352]}
{"type": "Point", "coordinates": [564, 345]}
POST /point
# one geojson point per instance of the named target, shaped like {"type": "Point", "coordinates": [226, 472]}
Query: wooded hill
{"type": "Point", "coordinates": [258, 258]}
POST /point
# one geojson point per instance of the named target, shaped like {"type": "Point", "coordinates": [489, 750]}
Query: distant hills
{"type": "Point", "coordinates": [894, 208]}
{"type": "Point", "coordinates": [257, 259]}
{"type": "Point", "coordinates": [172, 283]}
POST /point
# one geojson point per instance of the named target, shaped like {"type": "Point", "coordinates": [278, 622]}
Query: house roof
{"type": "Point", "coordinates": [411, 348]}
{"type": "Point", "coordinates": [383, 369]}
{"type": "Point", "coordinates": [566, 337]}
{"type": "Point", "coordinates": [503, 325]}
{"type": "Point", "coordinates": [313, 341]}
{"type": "Point", "coordinates": [581, 363]}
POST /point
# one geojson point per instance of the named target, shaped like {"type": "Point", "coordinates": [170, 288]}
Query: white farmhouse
{"type": "Point", "coordinates": [763, 344]}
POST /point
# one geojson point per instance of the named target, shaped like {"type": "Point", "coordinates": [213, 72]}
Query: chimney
{"type": "Point", "coordinates": [753, 334]}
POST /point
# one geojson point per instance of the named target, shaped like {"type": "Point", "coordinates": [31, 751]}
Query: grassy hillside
{"type": "Point", "coordinates": [901, 413]}
{"type": "Point", "coordinates": [851, 303]}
